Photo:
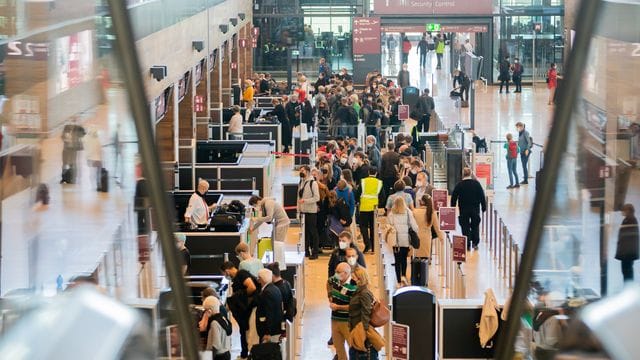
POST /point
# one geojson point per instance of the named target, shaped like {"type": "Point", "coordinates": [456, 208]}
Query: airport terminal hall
{"type": "Point", "coordinates": [319, 179]}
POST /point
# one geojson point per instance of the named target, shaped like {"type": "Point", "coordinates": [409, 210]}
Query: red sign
{"type": "Point", "coordinates": [255, 31]}
{"type": "Point", "coordinates": [198, 103]}
{"type": "Point", "coordinates": [447, 217]}
{"type": "Point", "coordinates": [433, 7]}
{"type": "Point", "coordinates": [234, 65]}
{"type": "Point", "coordinates": [403, 112]}
{"type": "Point", "coordinates": [605, 172]}
{"type": "Point", "coordinates": [366, 35]}
{"type": "Point", "coordinates": [399, 341]}
{"type": "Point", "coordinates": [459, 248]}
{"type": "Point", "coordinates": [242, 43]}
{"type": "Point", "coordinates": [440, 198]}
{"type": "Point", "coordinates": [144, 248]}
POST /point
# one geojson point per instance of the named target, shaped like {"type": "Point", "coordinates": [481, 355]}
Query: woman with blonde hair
{"type": "Point", "coordinates": [360, 308]}
{"type": "Point", "coordinates": [247, 98]}
{"type": "Point", "coordinates": [401, 219]}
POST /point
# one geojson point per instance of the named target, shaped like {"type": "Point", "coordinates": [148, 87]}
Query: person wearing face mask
{"type": "Point", "coordinates": [423, 187]}
{"type": "Point", "coordinates": [244, 288]}
{"type": "Point", "coordinates": [415, 167]}
{"type": "Point", "coordinates": [340, 255]}
{"type": "Point", "coordinates": [361, 167]}
{"type": "Point", "coordinates": [373, 153]}
{"type": "Point", "coordinates": [352, 256]}
{"type": "Point", "coordinates": [340, 289]}
{"type": "Point", "coordinates": [308, 198]}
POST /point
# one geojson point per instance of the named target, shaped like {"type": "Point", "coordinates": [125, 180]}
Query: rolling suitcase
{"type": "Point", "coordinates": [419, 271]}
{"type": "Point", "coordinates": [265, 245]}
{"type": "Point", "coordinates": [69, 175]}
{"type": "Point", "coordinates": [104, 181]}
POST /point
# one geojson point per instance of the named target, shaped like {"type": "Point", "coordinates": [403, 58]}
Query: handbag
{"type": "Point", "coordinates": [335, 226]}
{"type": "Point", "coordinates": [380, 314]}
{"type": "Point", "coordinates": [414, 239]}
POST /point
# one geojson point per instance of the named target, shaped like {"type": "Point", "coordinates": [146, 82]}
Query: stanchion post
{"type": "Point", "coordinates": [496, 235]}
{"type": "Point", "coordinates": [510, 261]}
{"type": "Point", "coordinates": [505, 239]}
{"type": "Point", "coordinates": [303, 235]}
{"type": "Point", "coordinates": [490, 225]}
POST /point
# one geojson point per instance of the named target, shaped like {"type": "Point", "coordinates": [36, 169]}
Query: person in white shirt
{"type": "Point", "coordinates": [467, 46]}
{"type": "Point", "coordinates": [235, 124]}
{"type": "Point", "coordinates": [198, 210]}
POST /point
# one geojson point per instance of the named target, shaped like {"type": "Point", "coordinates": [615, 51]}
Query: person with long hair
{"type": "Point", "coordinates": [360, 308]}
{"type": "Point", "coordinates": [324, 208]}
{"type": "Point", "coordinates": [347, 176]}
{"type": "Point", "coordinates": [401, 219]}
{"type": "Point", "coordinates": [427, 220]}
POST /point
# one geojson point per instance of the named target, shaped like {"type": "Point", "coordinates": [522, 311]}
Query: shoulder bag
{"type": "Point", "coordinates": [414, 239]}
{"type": "Point", "coordinates": [380, 313]}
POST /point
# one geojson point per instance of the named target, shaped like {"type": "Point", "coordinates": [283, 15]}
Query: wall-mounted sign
{"type": "Point", "coordinates": [433, 7]}
{"type": "Point", "coordinates": [366, 35]}
{"type": "Point", "coordinates": [27, 50]}
{"type": "Point", "coordinates": [234, 66]}
{"type": "Point", "coordinates": [242, 43]}
{"type": "Point", "coordinates": [198, 103]}
{"type": "Point", "coordinates": [433, 27]}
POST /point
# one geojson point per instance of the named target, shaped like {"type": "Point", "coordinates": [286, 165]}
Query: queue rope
{"type": "Point", "coordinates": [288, 154]}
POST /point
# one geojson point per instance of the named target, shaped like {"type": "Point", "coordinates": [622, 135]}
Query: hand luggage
{"type": "Point", "coordinates": [419, 271]}
{"type": "Point", "coordinates": [464, 104]}
{"type": "Point", "coordinates": [69, 175]}
{"type": "Point", "coordinates": [264, 245]}
{"type": "Point", "coordinates": [266, 351]}
{"type": "Point", "coordinates": [104, 181]}
{"type": "Point", "coordinates": [224, 223]}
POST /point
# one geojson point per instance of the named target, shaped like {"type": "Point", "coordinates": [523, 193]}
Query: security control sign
{"type": "Point", "coordinates": [459, 248]}
{"type": "Point", "coordinates": [447, 219]}
{"type": "Point", "coordinates": [433, 27]}
{"type": "Point", "coordinates": [403, 112]}
{"type": "Point", "coordinates": [399, 341]}
{"type": "Point", "coordinates": [366, 35]}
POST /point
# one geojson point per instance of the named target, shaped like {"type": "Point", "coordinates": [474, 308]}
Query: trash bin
{"type": "Point", "coordinates": [416, 307]}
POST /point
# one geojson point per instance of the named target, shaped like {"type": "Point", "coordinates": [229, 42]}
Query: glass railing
{"type": "Point", "coordinates": [584, 214]}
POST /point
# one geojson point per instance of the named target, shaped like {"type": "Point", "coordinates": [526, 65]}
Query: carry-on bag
{"type": "Point", "coordinates": [104, 180]}
{"type": "Point", "coordinates": [266, 351]}
{"type": "Point", "coordinates": [419, 271]}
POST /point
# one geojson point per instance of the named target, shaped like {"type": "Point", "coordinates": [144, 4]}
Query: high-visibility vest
{"type": "Point", "coordinates": [371, 187]}
{"type": "Point", "coordinates": [440, 47]}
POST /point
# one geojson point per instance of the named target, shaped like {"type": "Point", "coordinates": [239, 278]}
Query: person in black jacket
{"type": "Point", "coordinates": [288, 303]}
{"type": "Point", "coordinates": [505, 76]}
{"type": "Point", "coordinates": [394, 120]}
{"type": "Point", "coordinates": [361, 167]}
{"type": "Point", "coordinates": [269, 314]}
{"type": "Point", "coordinates": [461, 82]}
{"type": "Point", "coordinates": [339, 254]}
{"type": "Point", "coordinates": [245, 288]}
{"type": "Point", "coordinates": [627, 249]}
{"type": "Point", "coordinates": [281, 114]}
{"type": "Point", "coordinates": [293, 110]}
{"type": "Point", "coordinates": [404, 77]}
{"type": "Point", "coordinates": [389, 163]}
{"type": "Point", "coordinates": [307, 114]}
{"type": "Point", "coordinates": [469, 196]}
{"type": "Point", "coordinates": [425, 107]}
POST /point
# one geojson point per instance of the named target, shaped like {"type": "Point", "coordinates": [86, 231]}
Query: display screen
{"type": "Point", "coordinates": [74, 60]}
{"type": "Point", "coordinates": [183, 86]}
{"type": "Point", "coordinates": [162, 103]}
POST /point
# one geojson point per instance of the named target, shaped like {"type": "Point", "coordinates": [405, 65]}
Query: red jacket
{"type": "Point", "coordinates": [552, 75]}
{"type": "Point", "coordinates": [406, 46]}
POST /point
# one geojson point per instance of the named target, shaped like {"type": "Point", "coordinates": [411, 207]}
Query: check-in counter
{"type": "Point", "coordinates": [296, 276]}
{"type": "Point", "coordinates": [248, 174]}
{"type": "Point", "coordinates": [210, 249]}
{"type": "Point", "coordinates": [251, 131]}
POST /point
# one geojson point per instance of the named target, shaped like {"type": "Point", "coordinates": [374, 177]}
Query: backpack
{"type": "Point", "coordinates": [513, 150]}
{"type": "Point", "coordinates": [224, 323]}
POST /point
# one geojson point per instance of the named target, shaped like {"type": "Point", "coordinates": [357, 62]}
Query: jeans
{"type": "Point", "coordinates": [405, 58]}
{"type": "Point", "coordinates": [423, 59]}
{"type": "Point", "coordinates": [512, 167]}
{"type": "Point", "coordinates": [464, 93]}
{"type": "Point", "coordinates": [525, 165]}
{"type": "Point", "coordinates": [470, 224]}
{"type": "Point", "coordinates": [367, 229]}
{"type": "Point", "coordinates": [627, 269]}
{"type": "Point", "coordinates": [439, 61]}
{"type": "Point", "coordinates": [244, 328]}
{"type": "Point", "coordinates": [504, 82]}
{"type": "Point", "coordinates": [311, 239]}
{"type": "Point", "coordinates": [423, 123]}
{"type": "Point", "coordinates": [517, 81]}
{"type": "Point", "coordinates": [400, 255]}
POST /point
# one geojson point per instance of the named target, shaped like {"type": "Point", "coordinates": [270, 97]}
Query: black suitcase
{"type": "Point", "coordinates": [265, 351]}
{"type": "Point", "coordinates": [104, 181]}
{"type": "Point", "coordinates": [224, 223]}
{"type": "Point", "coordinates": [419, 271]}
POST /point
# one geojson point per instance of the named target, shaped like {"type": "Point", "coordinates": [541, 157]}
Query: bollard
{"type": "Point", "coordinates": [510, 261]}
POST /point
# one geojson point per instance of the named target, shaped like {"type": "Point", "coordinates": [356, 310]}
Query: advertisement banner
{"type": "Point", "coordinates": [399, 341]}
{"type": "Point", "coordinates": [440, 198]}
{"type": "Point", "coordinates": [366, 35]}
{"type": "Point", "coordinates": [447, 218]}
{"type": "Point", "coordinates": [433, 7]}
{"type": "Point", "coordinates": [459, 248]}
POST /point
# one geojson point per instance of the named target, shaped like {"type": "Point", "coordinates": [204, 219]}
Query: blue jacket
{"type": "Point", "coordinates": [348, 197]}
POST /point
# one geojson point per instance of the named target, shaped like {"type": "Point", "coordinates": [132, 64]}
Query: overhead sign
{"type": "Point", "coordinates": [440, 198]}
{"type": "Point", "coordinates": [433, 27]}
{"type": "Point", "coordinates": [459, 248]}
{"type": "Point", "coordinates": [366, 35]}
{"type": "Point", "coordinates": [433, 7]}
{"type": "Point", "coordinates": [462, 28]}
{"type": "Point", "coordinates": [447, 218]}
{"type": "Point", "coordinates": [403, 112]}
{"type": "Point", "coordinates": [399, 341]}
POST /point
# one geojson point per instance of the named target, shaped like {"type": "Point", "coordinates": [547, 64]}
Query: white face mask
{"type": "Point", "coordinates": [414, 171]}
{"type": "Point", "coordinates": [343, 245]}
{"type": "Point", "coordinates": [352, 261]}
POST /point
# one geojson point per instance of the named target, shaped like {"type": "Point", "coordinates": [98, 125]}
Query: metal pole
{"type": "Point", "coordinates": [496, 234]}
{"type": "Point", "coordinates": [490, 227]}
{"type": "Point", "coordinates": [533, 76]}
{"type": "Point", "coordinates": [505, 239]}
{"type": "Point", "coordinates": [510, 261]}
{"type": "Point", "coordinates": [151, 167]}
{"type": "Point", "coordinates": [588, 15]}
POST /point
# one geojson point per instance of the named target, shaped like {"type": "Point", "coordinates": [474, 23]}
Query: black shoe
{"type": "Point", "coordinates": [330, 342]}
{"type": "Point", "coordinates": [510, 187]}
{"type": "Point", "coordinates": [366, 249]}
{"type": "Point", "coordinates": [516, 186]}
{"type": "Point", "coordinates": [507, 91]}
{"type": "Point", "coordinates": [524, 182]}
{"type": "Point", "coordinates": [475, 247]}
{"type": "Point", "coordinates": [313, 257]}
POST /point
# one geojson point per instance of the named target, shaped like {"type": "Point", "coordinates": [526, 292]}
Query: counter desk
{"type": "Point", "coordinates": [252, 131]}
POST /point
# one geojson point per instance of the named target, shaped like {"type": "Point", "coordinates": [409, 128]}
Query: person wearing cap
{"type": "Point", "coordinates": [197, 213]}
{"type": "Point", "coordinates": [181, 239]}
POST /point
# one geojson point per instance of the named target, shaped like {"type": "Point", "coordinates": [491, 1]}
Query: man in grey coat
{"type": "Point", "coordinates": [308, 197]}
{"type": "Point", "coordinates": [525, 144]}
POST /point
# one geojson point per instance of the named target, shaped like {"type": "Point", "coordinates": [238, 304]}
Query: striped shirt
{"type": "Point", "coordinates": [341, 295]}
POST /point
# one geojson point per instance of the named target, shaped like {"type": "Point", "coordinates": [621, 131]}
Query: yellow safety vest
{"type": "Point", "coordinates": [371, 187]}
